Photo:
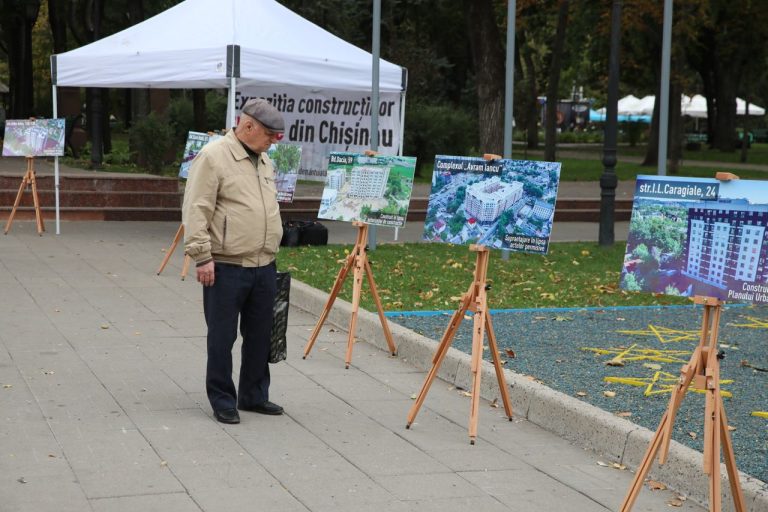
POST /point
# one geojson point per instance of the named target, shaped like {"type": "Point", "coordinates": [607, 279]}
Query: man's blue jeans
{"type": "Point", "coordinates": [247, 294]}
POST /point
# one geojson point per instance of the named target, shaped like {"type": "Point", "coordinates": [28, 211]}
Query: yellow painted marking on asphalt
{"type": "Point", "coordinates": [754, 323]}
{"type": "Point", "coordinates": [761, 414]}
{"type": "Point", "coordinates": [642, 354]}
{"type": "Point", "coordinates": [662, 383]}
{"type": "Point", "coordinates": [664, 334]}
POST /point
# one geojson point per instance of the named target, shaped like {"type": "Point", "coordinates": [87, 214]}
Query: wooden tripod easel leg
{"type": "Point", "coordinates": [703, 370]}
{"type": "Point", "coordinates": [340, 277]}
{"type": "Point", "coordinates": [357, 289]}
{"type": "Point", "coordinates": [35, 197]}
{"type": "Point", "coordinates": [28, 179]}
{"type": "Point", "coordinates": [379, 308]}
{"type": "Point", "coordinates": [357, 260]}
{"type": "Point", "coordinates": [475, 300]}
{"type": "Point", "coordinates": [169, 252]}
{"type": "Point", "coordinates": [185, 266]}
{"type": "Point", "coordinates": [497, 364]}
{"type": "Point", "coordinates": [437, 360]}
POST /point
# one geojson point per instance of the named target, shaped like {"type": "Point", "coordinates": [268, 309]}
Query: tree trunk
{"type": "Point", "coordinates": [553, 85]}
{"type": "Point", "coordinates": [675, 140]}
{"type": "Point", "coordinates": [532, 102]}
{"type": "Point", "coordinates": [198, 107]}
{"type": "Point", "coordinates": [725, 102]}
{"type": "Point", "coordinates": [57, 20]}
{"type": "Point", "coordinates": [488, 59]}
{"type": "Point", "coordinates": [16, 21]}
{"type": "Point", "coordinates": [652, 150]}
{"type": "Point", "coordinates": [745, 138]}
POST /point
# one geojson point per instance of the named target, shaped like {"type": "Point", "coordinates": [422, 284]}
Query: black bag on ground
{"type": "Point", "coordinates": [303, 232]}
{"type": "Point", "coordinates": [291, 234]}
{"type": "Point", "coordinates": [313, 233]}
{"type": "Point", "coordinates": [278, 345]}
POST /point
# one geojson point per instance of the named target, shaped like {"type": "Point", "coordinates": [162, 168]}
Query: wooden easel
{"type": "Point", "coordinates": [28, 179]}
{"type": "Point", "coordinates": [703, 370]}
{"type": "Point", "coordinates": [357, 260]}
{"type": "Point", "coordinates": [169, 252]}
{"type": "Point", "coordinates": [474, 300]}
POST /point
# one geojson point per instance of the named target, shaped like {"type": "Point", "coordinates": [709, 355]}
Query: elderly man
{"type": "Point", "coordinates": [232, 230]}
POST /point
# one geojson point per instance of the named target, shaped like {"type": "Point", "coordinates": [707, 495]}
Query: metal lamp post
{"type": "Point", "coordinates": [608, 180]}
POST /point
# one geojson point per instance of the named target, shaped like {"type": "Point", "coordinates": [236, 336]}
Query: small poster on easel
{"type": "Point", "coordinates": [500, 204]}
{"type": "Point", "coordinates": [34, 137]}
{"type": "Point", "coordinates": [195, 142]}
{"type": "Point", "coordinates": [286, 159]}
{"type": "Point", "coordinates": [698, 237]}
{"type": "Point", "coordinates": [375, 189]}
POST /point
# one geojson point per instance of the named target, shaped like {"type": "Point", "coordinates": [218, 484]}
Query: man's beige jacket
{"type": "Point", "coordinates": [230, 211]}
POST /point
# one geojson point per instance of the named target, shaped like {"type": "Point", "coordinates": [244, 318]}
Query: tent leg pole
{"type": "Point", "coordinates": [56, 165]}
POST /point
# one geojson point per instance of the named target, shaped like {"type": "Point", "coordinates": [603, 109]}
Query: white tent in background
{"type": "Point", "coordinates": [645, 105]}
{"type": "Point", "coordinates": [754, 110]}
{"type": "Point", "coordinates": [229, 44]}
{"type": "Point", "coordinates": [628, 105]}
{"type": "Point", "coordinates": [694, 106]}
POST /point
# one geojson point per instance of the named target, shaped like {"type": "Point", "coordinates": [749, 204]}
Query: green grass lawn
{"type": "Point", "coordinates": [421, 276]}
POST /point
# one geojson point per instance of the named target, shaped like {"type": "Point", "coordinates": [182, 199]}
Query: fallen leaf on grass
{"type": "Point", "coordinates": [731, 428]}
{"type": "Point", "coordinates": [675, 503]}
{"type": "Point", "coordinates": [652, 366]}
{"type": "Point", "coordinates": [495, 403]}
{"type": "Point", "coordinates": [548, 296]}
{"type": "Point", "coordinates": [624, 414]}
{"type": "Point", "coordinates": [581, 393]}
{"type": "Point", "coordinates": [510, 353]}
{"type": "Point", "coordinates": [609, 394]}
{"type": "Point", "coordinates": [693, 435]}
{"type": "Point", "coordinates": [562, 319]}
{"type": "Point", "coordinates": [616, 361]}
{"type": "Point", "coordinates": [656, 486]}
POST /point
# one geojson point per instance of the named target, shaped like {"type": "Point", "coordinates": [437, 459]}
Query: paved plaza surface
{"type": "Point", "coordinates": [104, 409]}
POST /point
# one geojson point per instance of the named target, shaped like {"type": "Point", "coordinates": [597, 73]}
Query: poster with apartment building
{"type": "Point", "coordinates": [372, 189]}
{"type": "Point", "coordinates": [34, 137]}
{"type": "Point", "coordinates": [285, 158]}
{"type": "Point", "coordinates": [698, 237]}
{"type": "Point", "coordinates": [502, 204]}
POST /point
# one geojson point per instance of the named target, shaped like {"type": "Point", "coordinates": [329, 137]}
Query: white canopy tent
{"type": "Point", "coordinates": [226, 44]}
{"type": "Point", "coordinates": [693, 106]}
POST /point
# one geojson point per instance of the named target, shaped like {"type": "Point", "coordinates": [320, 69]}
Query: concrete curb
{"type": "Point", "coordinates": [590, 427]}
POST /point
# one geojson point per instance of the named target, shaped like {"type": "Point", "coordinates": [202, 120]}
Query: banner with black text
{"type": "Point", "coordinates": [326, 120]}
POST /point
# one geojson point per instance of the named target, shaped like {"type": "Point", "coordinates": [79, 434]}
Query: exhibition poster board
{"type": "Point", "coordinates": [285, 157]}
{"type": "Point", "coordinates": [698, 237]}
{"type": "Point", "coordinates": [501, 204]}
{"type": "Point", "coordinates": [34, 137]}
{"type": "Point", "coordinates": [371, 189]}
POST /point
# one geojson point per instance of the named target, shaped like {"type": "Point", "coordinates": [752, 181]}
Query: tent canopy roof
{"type": "Point", "coordinates": [201, 44]}
{"type": "Point", "coordinates": [693, 106]}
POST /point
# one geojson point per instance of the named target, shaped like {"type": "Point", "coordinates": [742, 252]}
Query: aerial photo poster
{"type": "Point", "coordinates": [285, 158]}
{"type": "Point", "coordinates": [698, 237]}
{"type": "Point", "coordinates": [372, 189]}
{"type": "Point", "coordinates": [34, 137]}
{"type": "Point", "coordinates": [501, 204]}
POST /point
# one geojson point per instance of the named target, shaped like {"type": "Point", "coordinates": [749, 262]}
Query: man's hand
{"type": "Point", "coordinates": [205, 274]}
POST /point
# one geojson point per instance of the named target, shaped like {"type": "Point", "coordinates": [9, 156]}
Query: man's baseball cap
{"type": "Point", "coordinates": [263, 111]}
